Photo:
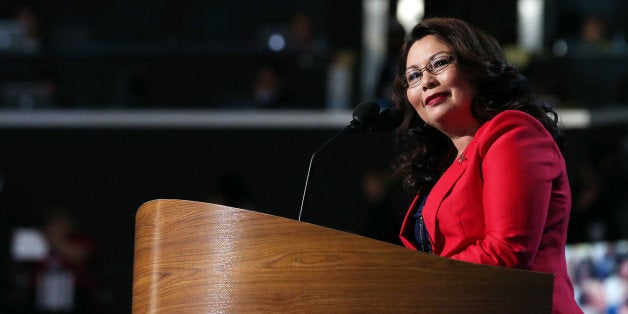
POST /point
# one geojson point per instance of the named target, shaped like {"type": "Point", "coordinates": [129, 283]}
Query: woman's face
{"type": "Point", "coordinates": [442, 100]}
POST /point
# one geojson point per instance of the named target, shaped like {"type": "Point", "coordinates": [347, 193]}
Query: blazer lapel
{"type": "Point", "coordinates": [446, 183]}
{"type": "Point", "coordinates": [438, 193]}
{"type": "Point", "coordinates": [436, 196]}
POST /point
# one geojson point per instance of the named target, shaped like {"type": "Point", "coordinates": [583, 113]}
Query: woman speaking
{"type": "Point", "coordinates": [481, 155]}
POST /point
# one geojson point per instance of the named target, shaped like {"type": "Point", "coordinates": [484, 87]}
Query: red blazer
{"type": "Point", "coordinates": [505, 202]}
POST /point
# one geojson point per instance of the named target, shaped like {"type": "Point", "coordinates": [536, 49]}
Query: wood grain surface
{"type": "Point", "coordinates": [193, 257]}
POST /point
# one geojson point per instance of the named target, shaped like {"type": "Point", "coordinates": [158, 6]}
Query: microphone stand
{"type": "Point", "coordinates": [365, 116]}
{"type": "Point", "coordinates": [348, 128]}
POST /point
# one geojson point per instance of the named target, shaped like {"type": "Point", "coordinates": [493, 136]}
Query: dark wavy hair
{"type": "Point", "coordinates": [425, 151]}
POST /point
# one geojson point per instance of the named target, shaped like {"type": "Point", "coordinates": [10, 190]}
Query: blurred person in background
{"type": "Point", "coordinates": [67, 280]}
{"type": "Point", "coordinates": [616, 286]}
{"type": "Point", "coordinates": [482, 156]}
{"type": "Point", "coordinates": [269, 89]}
{"type": "Point", "coordinates": [305, 76]}
{"type": "Point", "coordinates": [34, 36]}
{"type": "Point", "coordinates": [593, 38]}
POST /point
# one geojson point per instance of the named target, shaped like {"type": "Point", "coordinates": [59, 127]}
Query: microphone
{"type": "Point", "coordinates": [389, 119]}
{"type": "Point", "coordinates": [366, 116]}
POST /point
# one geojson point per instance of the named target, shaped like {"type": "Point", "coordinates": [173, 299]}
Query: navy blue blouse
{"type": "Point", "coordinates": [420, 233]}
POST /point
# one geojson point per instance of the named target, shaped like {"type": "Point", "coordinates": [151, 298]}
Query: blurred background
{"type": "Point", "coordinates": [105, 105]}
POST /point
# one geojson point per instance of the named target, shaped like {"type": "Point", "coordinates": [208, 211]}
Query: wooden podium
{"type": "Point", "coordinates": [193, 257]}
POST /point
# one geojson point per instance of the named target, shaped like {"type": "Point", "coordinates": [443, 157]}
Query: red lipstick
{"type": "Point", "coordinates": [435, 99]}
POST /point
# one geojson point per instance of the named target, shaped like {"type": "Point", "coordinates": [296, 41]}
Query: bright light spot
{"type": "Point", "coordinates": [409, 13]}
{"type": "Point", "coordinates": [29, 245]}
{"type": "Point", "coordinates": [276, 42]}
{"type": "Point", "coordinates": [575, 118]}
{"type": "Point", "coordinates": [530, 18]}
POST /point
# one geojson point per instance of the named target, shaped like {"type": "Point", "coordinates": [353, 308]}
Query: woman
{"type": "Point", "coordinates": [481, 155]}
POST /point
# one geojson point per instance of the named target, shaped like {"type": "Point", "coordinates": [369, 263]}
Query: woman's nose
{"type": "Point", "coordinates": [429, 81]}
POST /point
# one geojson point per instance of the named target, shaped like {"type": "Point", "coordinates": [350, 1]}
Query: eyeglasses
{"type": "Point", "coordinates": [435, 66]}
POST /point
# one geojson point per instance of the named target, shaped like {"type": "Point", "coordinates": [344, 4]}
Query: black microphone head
{"type": "Point", "coordinates": [389, 119]}
{"type": "Point", "coordinates": [366, 114]}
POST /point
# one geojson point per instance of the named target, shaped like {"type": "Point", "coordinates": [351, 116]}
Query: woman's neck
{"type": "Point", "coordinates": [461, 143]}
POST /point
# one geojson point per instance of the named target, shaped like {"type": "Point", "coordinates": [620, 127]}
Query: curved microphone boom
{"type": "Point", "coordinates": [366, 116]}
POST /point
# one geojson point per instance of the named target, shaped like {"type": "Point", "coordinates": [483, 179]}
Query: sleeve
{"type": "Point", "coordinates": [519, 163]}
